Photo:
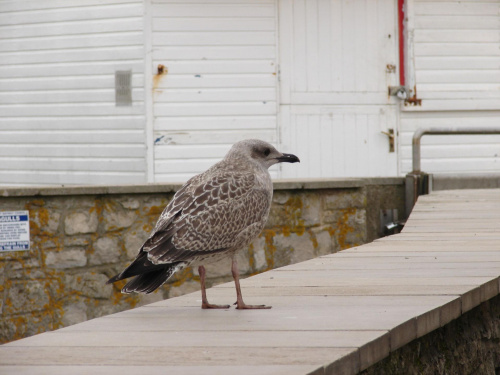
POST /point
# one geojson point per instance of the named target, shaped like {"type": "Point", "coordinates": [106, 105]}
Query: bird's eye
{"type": "Point", "coordinates": [267, 152]}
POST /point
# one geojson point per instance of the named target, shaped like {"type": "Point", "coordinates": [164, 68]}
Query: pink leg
{"type": "Point", "coordinates": [239, 298]}
{"type": "Point", "coordinates": [204, 301]}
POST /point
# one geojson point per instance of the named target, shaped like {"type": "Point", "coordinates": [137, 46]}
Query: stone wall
{"type": "Point", "coordinates": [467, 345]}
{"type": "Point", "coordinates": [81, 236]}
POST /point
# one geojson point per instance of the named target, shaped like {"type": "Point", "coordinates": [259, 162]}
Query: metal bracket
{"type": "Point", "coordinates": [390, 133]}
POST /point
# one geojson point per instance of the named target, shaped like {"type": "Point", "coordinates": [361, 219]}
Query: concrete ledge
{"type": "Point", "coordinates": [340, 183]}
{"type": "Point", "coordinates": [336, 314]}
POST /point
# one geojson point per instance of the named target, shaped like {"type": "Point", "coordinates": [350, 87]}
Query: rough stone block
{"type": "Point", "coordinates": [133, 242]}
{"type": "Point", "coordinates": [259, 254]}
{"type": "Point", "coordinates": [341, 199]}
{"type": "Point", "coordinates": [45, 220]}
{"type": "Point", "coordinates": [129, 203]}
{"type": "Point", "coordinates": [293, 248]}
{"type": "Point", "coordinates": [154, 205]}
{"type": "Point", "coordinates": [74, 241]}
{"type": "Point", "coordinates": [26, 296]}
{"type": "Point", "coordinates": [117, 219]}
{"type": "Point", "coordinates": [184, 288]}
{"type": "Point", "coordinates": [106, 250]}
{"type": "Point", "coordinates": [68, 258]}
{"type": "Point", "coordinates": [311, 209]}
{"type": "Point", "coordinates": [326, 244]}
{"type": "Point", "coordinates": [73, 313]}
{"type": "Point", "coordinates": [146, 299]}
{"type": "Point", "coordinates": [222, 268]}
{"type": "Point", "coordinates": [26, 269]}
{"type": "Point", "coordinates": [81, 222]}
{"type": "Point", "coordinates": [90, 284]}
{"type": "Point", "coordinates": [281, 197]}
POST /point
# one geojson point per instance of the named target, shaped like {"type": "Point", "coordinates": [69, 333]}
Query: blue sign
{"type": "Point", "coordinates": [14, 231]}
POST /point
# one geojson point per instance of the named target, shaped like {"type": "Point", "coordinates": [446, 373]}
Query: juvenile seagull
{"type": "Point", "coordinates": [212, 216]}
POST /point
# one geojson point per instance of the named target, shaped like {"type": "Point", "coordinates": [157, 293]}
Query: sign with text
{"type": "Point", "coordinates": [14, 231]}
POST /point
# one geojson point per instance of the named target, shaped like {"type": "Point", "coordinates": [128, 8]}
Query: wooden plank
{"type": "Point", "coordinates": [381, 296]}
{"type": "Point", "coordinates": [96, 68]}
{"type": "Point", "coordinates": [456, 8]}
{"type": "Point", "coordinates": [214, 24]}
{"type": "Point", "coordinates": [218, 81]}
{"type": "Point", "coordinates": [70, 28]}
{"type": "Point", "coordinates": [55, 14]}
{"type": "Point", "coordinates": [217, 66]}
{"type": "Point", "coordinates": [214, 10]}
{"type": "Point", "coordinates": [457, 36]}
{"type": "Point", "coordinates": [88, 40]}
{"type": "Point", "coordinates": [456, 63]}
{"type": "Point", "coordinates": [73, 55]}
{"type": "Point", "coordinates": [260, 108]}
{"type": "Point", "coordinates": [158, 370]}
{"type": "Point", "coordinates": [455, 22]}
{"type": "Point", "coordinates": [170, 356]}
{"type": "Point", "coordinates": [214, 38]}
{"type": "Point", "coordinates": [267, 95]}
{"type": "Point", "coordinates": [66, 83]}
{"type": "Point", "coordinates": [107, 151]}
{"type": "Point", "coordinates": [215, 52]}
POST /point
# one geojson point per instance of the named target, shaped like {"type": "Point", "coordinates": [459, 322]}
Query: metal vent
{"type": "Point", "coordinates": [123, 89]}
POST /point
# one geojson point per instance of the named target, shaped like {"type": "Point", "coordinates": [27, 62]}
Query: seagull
{"type": "Point", "coordinates": [212, 216]}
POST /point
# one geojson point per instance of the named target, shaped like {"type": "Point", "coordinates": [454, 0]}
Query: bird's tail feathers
{"type": "Point", "coordinates": [149, 282]}
{"type": "Point", "coordinates": [139, 266]}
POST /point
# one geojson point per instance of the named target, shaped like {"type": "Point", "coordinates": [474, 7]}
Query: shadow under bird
{"type": "Point", "coordinates": [212, 216]}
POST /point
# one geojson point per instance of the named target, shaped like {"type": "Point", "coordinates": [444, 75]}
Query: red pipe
{"type": "Point", "coordinates": [401, 18]}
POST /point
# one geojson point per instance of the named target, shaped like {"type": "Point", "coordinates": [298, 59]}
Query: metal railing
{"type": "Point", "coordinates": [443, 131]}
{"type": "Point", "coordinates": [418, 182]}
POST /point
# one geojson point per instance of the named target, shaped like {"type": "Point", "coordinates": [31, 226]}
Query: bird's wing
{"type": "Point", "coordinates": [207, 216]}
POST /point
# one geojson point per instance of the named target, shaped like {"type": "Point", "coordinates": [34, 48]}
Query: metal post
{"type": "Point", "coordinates": [420, 183]}
{"type": "Point", "coordinates": [443, 131]}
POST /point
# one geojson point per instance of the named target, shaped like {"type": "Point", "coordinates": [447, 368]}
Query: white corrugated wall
{"type": "Point", "coordinates": [337, 59]}
{"type": "Point", "coordinates": [219, 84]}
{"type": "Point", "coordinates": [456, 68]}
{"type": "Point", "coordinates": [58, 119]}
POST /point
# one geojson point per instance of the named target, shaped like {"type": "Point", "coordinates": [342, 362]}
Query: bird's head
{"type": "Point", "coordinates": [261, 153]}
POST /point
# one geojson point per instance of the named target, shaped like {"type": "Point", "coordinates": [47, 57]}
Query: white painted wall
{"type": "Point", "coordinates": [334, 57]}
{"type": "Point", "coordinates": [221, 81]}
{"type": "Point", "coordinates": [456, 68]}
{"type": "Point", "coordinates": [58, 119]}
{"type": "Point", "coordinates": [310, 76]}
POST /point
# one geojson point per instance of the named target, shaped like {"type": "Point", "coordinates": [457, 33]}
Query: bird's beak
{"type": "Point", "coordinates": [288, 158]}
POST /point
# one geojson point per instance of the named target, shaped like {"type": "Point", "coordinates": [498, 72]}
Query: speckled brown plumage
{"type": "Point", "coordinates": [212, 216]}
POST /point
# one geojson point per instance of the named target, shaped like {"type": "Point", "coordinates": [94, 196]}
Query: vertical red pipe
{"type": "Point", "coordinates": [401, 17]}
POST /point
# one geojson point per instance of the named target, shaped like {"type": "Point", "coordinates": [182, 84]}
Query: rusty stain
{"type": "Point", "coordinates": [413, 101]}
{"type": "Point", "coordinates": [161, 71]}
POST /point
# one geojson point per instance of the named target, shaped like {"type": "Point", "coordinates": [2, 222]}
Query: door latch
{"type": "Point", "coordinates": [390, 133]}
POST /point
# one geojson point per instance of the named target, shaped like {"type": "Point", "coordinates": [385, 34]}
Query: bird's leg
{"type": "Point", "coordinates": [239, 298]}
{"type": "Point", "coordinates": [204, 301]}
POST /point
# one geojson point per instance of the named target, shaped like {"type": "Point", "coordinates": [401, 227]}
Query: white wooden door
{"type": "Point", "coordinates": [337, 59]}
{"type": "Point", "coordinates": [219, 83]}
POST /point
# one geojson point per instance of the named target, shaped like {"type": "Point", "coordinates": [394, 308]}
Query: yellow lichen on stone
{"type": "Point", "coordinates": [293, 212]}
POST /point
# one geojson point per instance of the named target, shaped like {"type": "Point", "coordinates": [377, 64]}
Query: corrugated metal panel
{"type": "Point", "coordinates": [337, 51]}
{"type": "Point", "coordinates": [334, 58]}
{"type": "Point", "coordinates": [456, 54]}
{"type": "Point", "coordinates": [457, 75]}
{"type": "Point", "coordinates": [219, 84]}
{"type": "Point", "coordinates": [58, 119]}
{"type": "Point", "coordinates": [340, 141]}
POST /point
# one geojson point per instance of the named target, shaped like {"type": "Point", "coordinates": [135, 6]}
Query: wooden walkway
{"type": "Point", "coordinates": [337, 314]}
